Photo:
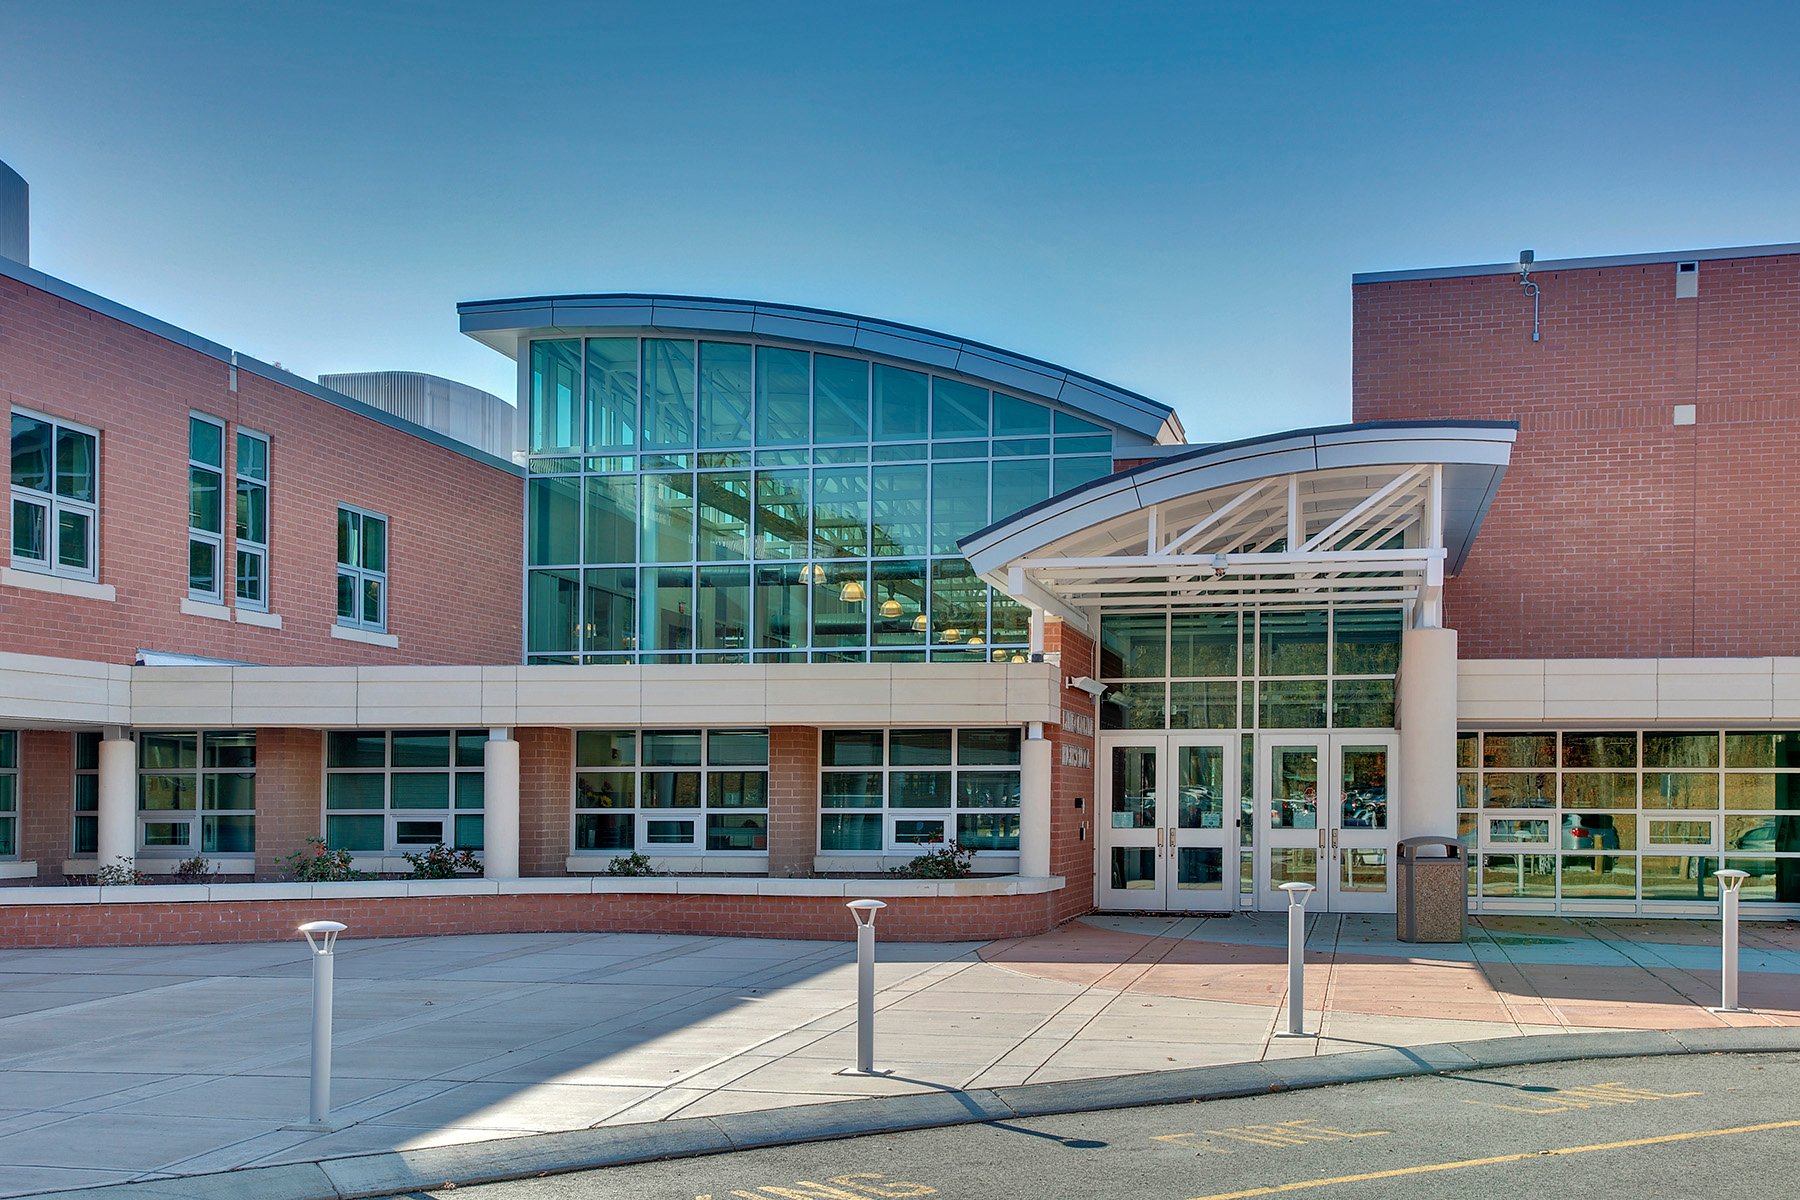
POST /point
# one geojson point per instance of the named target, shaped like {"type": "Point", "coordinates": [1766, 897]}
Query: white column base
{"type": "Point", "coordinates": [500, 798]}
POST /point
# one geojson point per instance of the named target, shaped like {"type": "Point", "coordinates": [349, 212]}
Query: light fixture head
{"type": "Point", "coordinates": [1017, 657]}
{"type": "Point", "coordinates": [1526, 258]}
{"type": "Point", "coordinates": [999, 656]}
{"type": "Point", "coordinates": [952, 634]}
{"type": "Point", "coordinates": [812, 573]}
{"type": "Point", "coordinates": [975, 639]}
{"type": "Point", "coordinates": [921, 623]}
{"type": "Point", "coordinates": [890, 608]}
{"type": "Point", "coordinates": [851, 592]}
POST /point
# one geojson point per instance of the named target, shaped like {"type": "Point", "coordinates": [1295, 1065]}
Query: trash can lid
{"type": "Point", "coordinates": [1407, 845]}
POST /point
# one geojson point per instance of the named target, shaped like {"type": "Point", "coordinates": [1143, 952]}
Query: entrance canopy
{"type": "Point", "coordinates": [1377, 513]}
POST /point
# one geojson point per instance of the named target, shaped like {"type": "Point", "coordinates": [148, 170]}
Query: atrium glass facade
{"type": "Point", "coordinates": [730, 501]}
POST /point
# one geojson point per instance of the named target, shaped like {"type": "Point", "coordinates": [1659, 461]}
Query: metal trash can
{"type": "Point", "coordinates": [1432, 902]}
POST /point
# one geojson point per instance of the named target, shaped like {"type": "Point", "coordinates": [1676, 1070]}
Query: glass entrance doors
{"type": "Point", "coordinates": [1323, 817]}
{"type": "Point", "coordinates": [1168, 832]}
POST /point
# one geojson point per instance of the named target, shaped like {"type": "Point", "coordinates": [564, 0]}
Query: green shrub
{"type": "Point", "coordinates": [121, 872]}
{"type": "Point", "coordinates": [192, 870]}
{"type": "Point", "coordinates": [441, 862]}
{"type": "Point", "coordinates": [318, 863]}
{"type": "Point", "coordinates": [949, 861]}
{"type": "Point", "coordinates": [632, 864]}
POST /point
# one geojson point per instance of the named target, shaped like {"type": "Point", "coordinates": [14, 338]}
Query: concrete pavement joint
{"type": "Point", "coordinates": [395, 1172]}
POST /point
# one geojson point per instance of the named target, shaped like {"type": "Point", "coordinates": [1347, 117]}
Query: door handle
{"type": "Point", "coordinates": [1334, 834]}
{"type": "Point", "coordinates": [1159, 837]}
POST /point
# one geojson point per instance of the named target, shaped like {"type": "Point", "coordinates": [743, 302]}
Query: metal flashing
{"type": "Point", "coordinates": [1580, 264]}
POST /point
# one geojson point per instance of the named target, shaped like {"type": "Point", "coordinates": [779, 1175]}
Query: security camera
{"type": "Point", "coordinates": [1086, 683]}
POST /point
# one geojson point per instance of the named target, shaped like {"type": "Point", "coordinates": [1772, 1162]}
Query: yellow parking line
{"type": "Point", "coordinates": [1303, 1184]}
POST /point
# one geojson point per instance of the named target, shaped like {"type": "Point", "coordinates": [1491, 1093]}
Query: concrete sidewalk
{"type": "Point", "coordinates": [136, 1063]}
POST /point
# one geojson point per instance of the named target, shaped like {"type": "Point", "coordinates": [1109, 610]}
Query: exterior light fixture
{"type": "Point", "coordinates": [851, 593]}
{"type": "Point", "coordinates": [920, 623]}
{"type": "Point", "coordinates": [1526, 258]}
{"type": "Point", "coordinates": [812, 573]}
{"type": "Point", "coordinates": [890, 608]}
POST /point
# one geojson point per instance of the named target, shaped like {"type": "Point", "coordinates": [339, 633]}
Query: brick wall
{"type": "Point", "coordinates": [1617, 533]}
{"type": "Point", "coordinates": [1072, 829]}
{"type": "Point", "coordinates": [453, 560]}
{"type": "Point", "coordinates": [793, 799]}
{"type": "Point", "coordinates": [546, 799]}
{"type": "Point", "coordinates": [290, 795]}
{"type": "Point", "coordinates": [812, 917]}
{"type": "Point", "coordinates": [46, 799]}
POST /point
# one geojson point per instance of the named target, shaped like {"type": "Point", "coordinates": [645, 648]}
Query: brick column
{"type": "Point", "coordinates": [793, 799]}
{"type": "Point", "coordinates": [290, 784]}
{"type": "Point", "coordinates": [1072, 829]}
{"type": "Point", "coordinates": [46, 799]}
{"type": "Point", "coordinates": [546, 799]}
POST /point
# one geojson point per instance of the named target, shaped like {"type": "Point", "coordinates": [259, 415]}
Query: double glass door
{"type": "Point", "coordinates": [1323, 816]}
{"type": "Point", "coordinates": [1168, 836]}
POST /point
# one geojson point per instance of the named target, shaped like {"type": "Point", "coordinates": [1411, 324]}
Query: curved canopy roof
{"type": "Point", "coordinates": [1373, 513]}
{"type": "Point", "coordinates": [501, 324]}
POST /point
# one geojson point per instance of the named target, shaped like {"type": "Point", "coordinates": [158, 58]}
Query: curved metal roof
{"type": "Point", "coordinates": [1279, 515]}
{"type": "Point", "coordinates": [501, 324]}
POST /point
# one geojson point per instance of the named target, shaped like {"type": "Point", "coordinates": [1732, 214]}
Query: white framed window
{"type": "Point", "coordinates": [252, 520]}
{"type": "Point", "coordinates": [671, 791]}
{"type": "Point", "coordinates": [84, 831]}
{"type": "Point", "coordinates": [362, 581]}
{"type": "Point", "coordinates": [206, 508]}
{"type": "Point", "coordinates": [197, 793]}
{"type": "Point", "coordinates": [404, 790]}
{"type": "Point", "coordinates": [55, 496]}
{"type": "Point", "coordinates": [904, 791]}
{"type": "Point", "coordinates": [9, 793]}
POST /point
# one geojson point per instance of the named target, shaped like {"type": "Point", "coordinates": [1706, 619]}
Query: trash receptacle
{"type": "Point", "coordinates": [1432, 901]}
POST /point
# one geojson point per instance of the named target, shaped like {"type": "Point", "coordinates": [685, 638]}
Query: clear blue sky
{"type": "Point", "coordinates": [1171, 197]}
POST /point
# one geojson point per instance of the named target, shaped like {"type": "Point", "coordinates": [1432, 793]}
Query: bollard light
{"type": "Point", "coordinates": [1298, 894]}
{"type": "Point", "coordinates": [321, 939]}
{"type": "Point", "coordinates": [1729, 883]}
{"type": "Point", "coordinates": [863, 912]}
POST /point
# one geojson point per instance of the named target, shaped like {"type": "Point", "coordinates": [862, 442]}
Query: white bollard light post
{"type": "Point", "coordinates": [1729, 883]}
{"type": "Point", "coordinates": [321, 937]}
{"type": "Point", "coordinates": [864, 913]}
{"type": "Point", "coordinates": [1298, 894]}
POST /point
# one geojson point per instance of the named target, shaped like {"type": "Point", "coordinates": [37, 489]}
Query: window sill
{"type": "Point", "coordinates": [18, 870]}
{"type": "Point", "coordinates": [368, 637]}
{"type": "Point", "coordinates": [258, 618]}
{"type": "Point", "coordinates": [205, 608]}
{"type": "Point", "coordinates": [38, 581]}
{"type": "Point", "coordinates": [988, 862]}
{"type": "Point", "coordinates": [595, 862]}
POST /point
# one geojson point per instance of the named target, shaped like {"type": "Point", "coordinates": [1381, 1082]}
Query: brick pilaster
{"type": "Point", "coordinates": [793, 799]}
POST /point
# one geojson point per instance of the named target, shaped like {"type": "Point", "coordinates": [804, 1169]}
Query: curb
{"type": "Point", "coordinates": [398, 1171]}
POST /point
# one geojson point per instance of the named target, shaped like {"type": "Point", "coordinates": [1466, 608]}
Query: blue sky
{"type": "Point", "coordinates": [1171, 197]}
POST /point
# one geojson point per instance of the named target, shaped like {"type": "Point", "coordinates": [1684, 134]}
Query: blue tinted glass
{"type": "Point", "coordinates": [1019, 483]}
{"type": "Point", "coordinates": [1073, 472]}
{"type": "Point", "coordinates": [901, 404]}
{"type": "Point", "coordinates": [1016, 418]}
{"type": "Point", "coordinates": [959, 503]}
{"type": "Point", "coordinates": [724, 516]}
{"type": "Point", "coordinates": [555, 421]}
{"type": "Point", "coordinates": [958, 409]}
{"type": "Point", "coordinates": [667, 527]}
{"type": "Point", "coordinates": [612, 392]}
{"type": "Point", "coordinates": [722, 612]}
{"type": "Point", "coordinates": [897, 603]}
{"type": "Point", "coordinates": [783, 396]}
{"type": "Point", "coordinates": [781, 514]}
{"type": "Point", "coordinates": [724, 394]}
{"type": "Point", "coordinates": [611, 518]}
{"type": "Point", "coordinates": [840, 605]}
{"type": "Point", "coordinates": [553, 508]}
{"type": "Point", "coordinates": [1067, 423]}
{"type": "Point", "coordinates": [554, 600]}
{"type": "Point", "coordinates": [781, 596]}
{"type": "Point", "coordinates": [609, 612]}
{"type": "Point", "coordinates": [668, 392]}
{"type": "Point", "coordinates": [1024, 446]}
{"type": "Point", "coordinates": [666, 609]}
{"type": "Point", "coordinates": [841, 403]}
{"type": "Point", "coordinates": [841, 512]}
{"type": "Point", "coordinates": [899, 510]}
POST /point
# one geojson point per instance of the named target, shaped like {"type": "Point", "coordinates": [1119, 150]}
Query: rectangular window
{"type": "Point", "coordinates": [196, 793]}
{"type": "Point", "coordinates": [84, 832]}
{"type": "Point", "coordinates": [907, 790]}
{"type": "Point", "coordinates": [404, 791]}
{"type": "Point", "coordinates": [9, 793]}
{"type": "Point", "coordinates": [55, 496]}
{"type": "Point", "coordinates": [252, 520]}
{"type": "Point", "coordinates": [362, 581]}
{"type": "Point", "coordinates": [206, 508]}
{"type": "Point", "coordinates": [671, 791]}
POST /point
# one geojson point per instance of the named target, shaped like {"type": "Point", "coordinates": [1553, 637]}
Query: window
{"type": "Point", "coordinates": [55, 496]}
{"type": "Point", "coordinates": [197, 779]}
{"type": "Point", "coordinates": [84, 834]}
{"type": "Point", "coordinates": [206, 508]}
{"type": "Point", "coordinates": [407, 790]}
{"type": "Point", "coordinates": [901, 791]}
{"type": "Point", "coordinates": [252, 520]}
{"type": "Point", "coordinates": [9, 793]}
{"type": "Point", "coordinates": [362, 569]}
{"type": "Point", "coordinates": [671, 791]}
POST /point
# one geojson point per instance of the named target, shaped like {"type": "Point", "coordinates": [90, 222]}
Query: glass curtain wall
{"type": "Point", "coordinates": [722, 501]}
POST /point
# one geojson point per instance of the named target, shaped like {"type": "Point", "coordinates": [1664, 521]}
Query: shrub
{"type": "Point", "coordinates": [632, 864]}
{"type": "Point", "coordinates": [441, 862]}
{"type": "Point", "coordinates": [318, 863]}
{"type": "Point", "coordinates": [949, 861]}
{"type": "Point", "coordinates": [192, 870]}
{"type": "Point", "coordinates": [121, 872]}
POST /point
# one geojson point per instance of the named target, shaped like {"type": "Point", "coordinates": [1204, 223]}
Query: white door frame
{"type": "Point", "coordinates": [1169, 813]}
{"type": "Point", "coordinates": [1350, 835]}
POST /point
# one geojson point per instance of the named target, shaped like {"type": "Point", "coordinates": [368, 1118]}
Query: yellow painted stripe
{"type": "Point", "coordinates": [1429, 1168]}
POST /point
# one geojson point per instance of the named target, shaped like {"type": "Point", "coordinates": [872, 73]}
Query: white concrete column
{"type": "Point", "coordinates": [117, 820]}
{"type": "Point", "coordinates": [1034, 803]}
{"type": "Point", "coordinates": [1427, 715]}
{"type": "Point", "coordinates": [500, 798]}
